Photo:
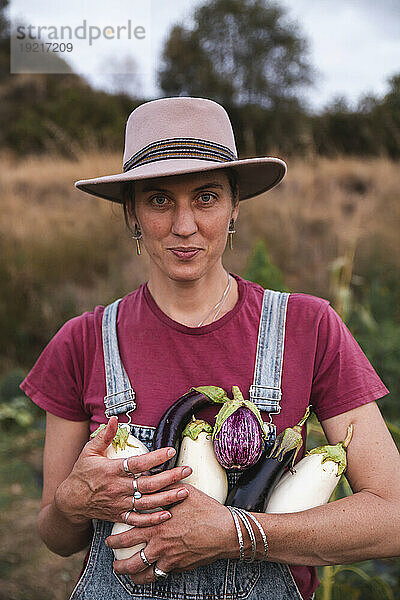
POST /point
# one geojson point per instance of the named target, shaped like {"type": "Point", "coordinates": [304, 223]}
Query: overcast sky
{"type": "Point", "coordinates": [354, 44]}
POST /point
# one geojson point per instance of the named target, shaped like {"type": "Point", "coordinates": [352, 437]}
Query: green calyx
{"type": "Point", "coordinates": [215, 394]}
{"type": "Point", "coordinates": [336, 453]}
{"type": "Point", "coordinates": [195, 427]}
{"type": "Point", "coordinates": [120, 440]}
{"type": "Point", "coordinates": [289, 439]}
{"type": "Point", "coordinates": [231, 406]}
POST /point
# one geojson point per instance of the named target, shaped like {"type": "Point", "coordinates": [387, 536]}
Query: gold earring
{"type": "Point", "coordinates": [231, 231]}
{"type": "Point", "coordinates": [137, 237]}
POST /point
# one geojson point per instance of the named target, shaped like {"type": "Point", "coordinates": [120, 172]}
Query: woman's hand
{"type": "Point", "coordinates": [99, 488]}
{"type": "Point", "coordinates": [200, 531]}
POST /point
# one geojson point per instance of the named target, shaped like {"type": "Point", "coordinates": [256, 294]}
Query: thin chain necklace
{"type": "Point", "coordinates": [219, 305]}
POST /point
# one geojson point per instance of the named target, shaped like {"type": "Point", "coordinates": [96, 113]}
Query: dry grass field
{"type": "Point", "coordinates": [324, 209]}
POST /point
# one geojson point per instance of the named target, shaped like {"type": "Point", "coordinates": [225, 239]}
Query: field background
{"type": "Point", "coordinates": [329, 222]}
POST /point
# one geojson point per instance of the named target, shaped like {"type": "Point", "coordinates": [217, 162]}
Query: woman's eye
{"type": "Point", "coordinates": [207, 198]}
{"type": "Point", "coordinates": [159, 200]}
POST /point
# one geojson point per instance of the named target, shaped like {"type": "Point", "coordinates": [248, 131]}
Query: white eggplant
{"type": "Point", "coordinates": [122, 553]}
{"type": "Point", "coordinates": [197, 451]}
{"type": "Point", "coordinates": [313, 480]}
{"type": "Point", "coordinates": [124, 445]}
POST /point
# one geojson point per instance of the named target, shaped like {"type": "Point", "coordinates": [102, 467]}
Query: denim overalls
{"type": "Point", "coordinates": [223, 579]}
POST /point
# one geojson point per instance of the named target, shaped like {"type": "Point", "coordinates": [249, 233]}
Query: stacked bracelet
{"type": "Point", "coordinates": [244, 517]}
{"type": "Point", "coordinates": [238, 531]}
{"type": "Point", "coordinates": [261, 530]}
{"type": "Point", "coordinates": [250, 531]}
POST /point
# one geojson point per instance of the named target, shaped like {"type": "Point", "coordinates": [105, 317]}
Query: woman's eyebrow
{"type": "Point", "coordinates": [211, 184]}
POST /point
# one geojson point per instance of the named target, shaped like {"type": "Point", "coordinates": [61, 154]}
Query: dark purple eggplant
{"type": "Point", "coordinates": [256, 484]}
{"type": "Point", "coordinates": [169, 430]}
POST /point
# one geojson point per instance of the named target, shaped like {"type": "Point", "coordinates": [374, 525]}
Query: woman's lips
{"type": "Point", "coordinates": [185, 254]}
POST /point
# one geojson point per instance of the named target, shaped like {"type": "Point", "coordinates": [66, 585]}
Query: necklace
{"type": "Point", "coordinates": [218, 307]}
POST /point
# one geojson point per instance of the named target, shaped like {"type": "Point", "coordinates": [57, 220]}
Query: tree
{"type": "Point", "coordinates": [237, 52]}
{"type": "Point", "coordinates": [387, 118]}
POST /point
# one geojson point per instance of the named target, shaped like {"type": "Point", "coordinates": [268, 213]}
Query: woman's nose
{"type": "Point", "coordinates": [184, 222]}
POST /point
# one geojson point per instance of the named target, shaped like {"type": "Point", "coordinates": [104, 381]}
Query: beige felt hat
{"type": "Point", "coordinates": [172, 136]}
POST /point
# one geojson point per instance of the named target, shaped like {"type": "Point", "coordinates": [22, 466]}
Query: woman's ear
{"type": "Point", "coordinates": [235, 211]}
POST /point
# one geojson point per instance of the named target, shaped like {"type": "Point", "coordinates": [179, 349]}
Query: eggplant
{"type": "Point", "coordinates": [197, 451]}
{"type": "Point", "coordinates": [314, 480]}
{"type": "Point", "coordinates": [238, 433]}
{"type": "Point", "coordinates": [257, 483]}
{"type": "Point", "coordinates": [169, 430]}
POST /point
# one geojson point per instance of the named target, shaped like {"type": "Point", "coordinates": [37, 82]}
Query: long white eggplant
{"type": "Point", "coordinates": [313, 480]}
{"type": "Point", "coordinates": [124, 445]}
{"type": "Point", "coordinates": [197, 451]}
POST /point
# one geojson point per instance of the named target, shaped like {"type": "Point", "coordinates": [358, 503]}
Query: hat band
{"type": "Point", "coordinates": [180, 148]}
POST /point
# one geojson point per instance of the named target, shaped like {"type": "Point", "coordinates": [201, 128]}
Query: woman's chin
{"type": "Point", "coordinates": [188, 275]}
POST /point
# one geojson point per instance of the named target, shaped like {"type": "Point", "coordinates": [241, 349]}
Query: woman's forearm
{"type": "Point", "coordinates": [360, 527]}
{"type": "Point", "coordinates": [61, 535]}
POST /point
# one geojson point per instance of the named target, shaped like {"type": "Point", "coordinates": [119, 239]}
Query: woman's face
{"type": "Point", "coordinates": [184, 221]}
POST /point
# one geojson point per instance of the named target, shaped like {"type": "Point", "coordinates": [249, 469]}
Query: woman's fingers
{"type": "Point", "coordinates": [147, 484]}
{"type": "Point", "coordinates": [137, 570]}
{"type": "Point", "coordinates": [137, 519]}
{"type": "Point", "coordinates": [101, 441]}
{"type": "Point", "coordinates": [126, 539]}
{"type": "Point", "coordinates": [157, 499]}
{"type": "Point", "coordinates": [145, 462]}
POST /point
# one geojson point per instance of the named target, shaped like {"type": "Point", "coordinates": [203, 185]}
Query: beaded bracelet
{"type": "Point", "coordinates": [250, 531]}
{"type": "Point", "coordinates": [238, 531]}
{"type": "Point", "coordinates": [261, 530]}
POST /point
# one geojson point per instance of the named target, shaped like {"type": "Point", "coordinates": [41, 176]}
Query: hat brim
{"type": "Point", "coordinates": [256, 175]}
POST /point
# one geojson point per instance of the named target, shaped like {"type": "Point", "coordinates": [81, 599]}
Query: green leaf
{"type": "Point", "coordinates": [121, 437]}
{"type": "Point", "coordinates": [226, 411]}
{"type": "Point", "coordinates": [231, 406]}
{"type": "Point", "coordinates": [335, 453]}
{"type": "Point", "coordinates": [215, 394]}
{"type": "Point", "coordinates": [100, 428]}
{"type": "Point", "coordinates": [289, 439]}
{"type": "Point", "coordinates": [195, 427]}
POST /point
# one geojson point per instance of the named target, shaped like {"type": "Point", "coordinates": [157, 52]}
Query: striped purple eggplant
{"type": "Point", "coordinates": [238, 433]}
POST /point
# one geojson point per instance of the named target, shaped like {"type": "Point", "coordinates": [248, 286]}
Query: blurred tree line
{"type": "Point", "coordinates": [245, 54]}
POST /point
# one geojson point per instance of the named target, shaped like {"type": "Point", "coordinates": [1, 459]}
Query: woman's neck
{"type": "Point", "coordinates": [193, 302]}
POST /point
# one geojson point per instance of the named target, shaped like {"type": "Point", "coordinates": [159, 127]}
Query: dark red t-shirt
{"type": "Point", "coordinates": [322, 365]}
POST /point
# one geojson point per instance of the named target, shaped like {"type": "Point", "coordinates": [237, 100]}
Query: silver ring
{"type": "Point", "coordinates": [126, 468]}
{"type": "Point", "coordinates": [136, 494]}
{"type": "Point", "coordinates": [126, 517]}
{"type": "Point", "coordinates": [159, 573]}
{"type": "Point", "coordinates": [144, 559]}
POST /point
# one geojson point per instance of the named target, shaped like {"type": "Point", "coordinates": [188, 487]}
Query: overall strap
{"type": "Point", "coordinates": [120, 396]}
{"type": "Point", "coordinates": [266, 391]}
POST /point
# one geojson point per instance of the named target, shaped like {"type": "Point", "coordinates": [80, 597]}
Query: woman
{"type": "Point", "coordinates": [194, 324]}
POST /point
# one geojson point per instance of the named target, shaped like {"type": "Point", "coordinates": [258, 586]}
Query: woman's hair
{"type": "Point", "coordinates": [129, 194]}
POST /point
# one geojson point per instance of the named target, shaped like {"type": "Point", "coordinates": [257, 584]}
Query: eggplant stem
{"type": "Point", "coordinates": [305, 417]}
{"type": "Point", "coordinates": [236, 393]}
{"type": "Point", "coordinates": [348, 437]}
